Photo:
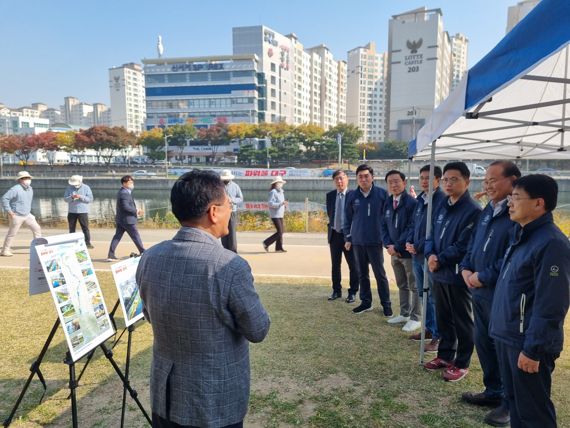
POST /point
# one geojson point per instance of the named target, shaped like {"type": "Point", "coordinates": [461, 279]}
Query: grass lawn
{"type": "Point", "coordinates": [320, 366]}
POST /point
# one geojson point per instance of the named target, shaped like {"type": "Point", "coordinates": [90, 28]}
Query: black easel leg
{"type": "Point", "coordinates": [34, 369]}
{"type": "Point", "coordinates": [127, 365]}
{"type": "Point", "coordinates": [109, 354]}
{"type": "Point", "coordinates": [72, 386]}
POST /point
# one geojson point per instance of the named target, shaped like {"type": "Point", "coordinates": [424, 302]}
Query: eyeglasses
{"type": "Point", "coordinates": [451, 180]}
{"type": "Point", "coordinates": [516, 198]}
{"type": "Point", "coordinates": [229, 202]}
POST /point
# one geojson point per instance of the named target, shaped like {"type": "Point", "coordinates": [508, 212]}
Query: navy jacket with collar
{"type": "Point", "coordinates": [451, 231]}
{"type": "Point", "coordinates": [363, 219]}
{"type": "Point", "coordinates": [532, 294]}
{"type": "Point", "coordinates": [489, 242]}
{"type": "Point", "coordinates": [417, 232]}
{"type": "Point", "coordinates": [398, 222]}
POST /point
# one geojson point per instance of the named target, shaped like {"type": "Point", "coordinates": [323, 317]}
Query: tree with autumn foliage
{"type": "Point", "coordinates": [180, 134]}
{"type": "Point", "coordinates": [214, 136]}
{"type": "Point", "coordinates": [106, 141]}
{"type": "Point", "coordinates": [24, 146]}
{"type": "Point", "coordinates": [153, 141]}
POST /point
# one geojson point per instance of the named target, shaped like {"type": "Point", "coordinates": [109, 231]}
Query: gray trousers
{"type": "Point", "coordinates": [410, 305]}
{"type": "Point", "coordinates": [15, 222]}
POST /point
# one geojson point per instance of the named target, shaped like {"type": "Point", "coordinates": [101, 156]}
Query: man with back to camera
{"type": "Point", "coordinates": [229, 241]}
{"type": "Point", "coordinates": [530, 303]}
{"type": "Point", "coordinates": [125, 218]}
{"type": "Point", "coordinates": [416, 247]}
{"type": "Point", "coordinates": [480, 269]}
{"type": "Point", "coordinates": [453, 223]}
{"type": "Point", "coordinates": [78, 196]}
{"type": "Point", "coordinates": [335, 202]}
{"type": "Point", "coordinates": [204, 311]}
{"type": "Point", "coordinates": [398, 217]}
{"type": "Point", "coordinates": [17, 204]}
{"type": "Point", "coordinates": [363, 223]}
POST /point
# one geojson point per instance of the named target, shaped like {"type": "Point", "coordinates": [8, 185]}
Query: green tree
{"type": "Point", "coordinates": [391, 150]}
{"type": "Point", "coordinates": [350, 136]}
{"type": "Point", "coordinates": [180, 134]}
{"type": "Point", "coordinates": [153, 142]}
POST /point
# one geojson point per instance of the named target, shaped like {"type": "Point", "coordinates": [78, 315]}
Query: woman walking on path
{"type": "Point", "coordinates": [277, 205]}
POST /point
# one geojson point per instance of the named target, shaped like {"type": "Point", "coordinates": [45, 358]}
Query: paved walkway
{"type": "Point", "coordinates": [307, 253]}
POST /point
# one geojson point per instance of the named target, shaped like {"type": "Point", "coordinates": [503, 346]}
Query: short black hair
{"type": "Point", "coordinates": [395, 171]}
{"type": "Point", "coordinates": [540, 186]}
{"type": "Point", "coordinates": [458, 166]}
{"type": "Point", "coordinates": [337, 173]}
{"type": "Point", "coordinates": [364, 167]}
{"type": "Point", "coordinates": [126, 179]}
{"type": "Point", "coordinates": [193, 192]}
{"type": "Point", "coordinates": [436, 170]}
{"type": "Point", "coordinates": [509, 168]}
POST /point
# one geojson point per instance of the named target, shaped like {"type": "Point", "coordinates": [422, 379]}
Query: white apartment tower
{"type": "Point", "coordinates": [419, 75]}
{"type": "Point", "coordinates": [459, 45]}
{"type": "Point", "coordinates": [127, 91]}
{"type": "Point", "coordinates": [518, 12]}
{"type": "Point", "coordinates": [366, 91]}
{"type": "Point", "coordinates": [301, 83]}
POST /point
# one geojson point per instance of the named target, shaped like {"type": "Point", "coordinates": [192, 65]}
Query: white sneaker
{"type": "Point", "coordinates": [412, 325]}
{"type": "Point", "coordinates": [7, 254]}
{"type": "Point", "coordinates": [398, 320]}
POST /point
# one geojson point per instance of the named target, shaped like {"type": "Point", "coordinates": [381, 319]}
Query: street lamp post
{"type": "Point", "coordinates": [166, 155]}
{"type": "Point", "coordinates": [339, 142]}
{"type": "Point", "coordinates": [267, 142]}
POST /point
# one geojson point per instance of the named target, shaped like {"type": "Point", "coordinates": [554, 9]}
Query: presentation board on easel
{"type": "Point", "coordinates": [69, 275]}
{"type": "Point", "coordinates": [124, 274]}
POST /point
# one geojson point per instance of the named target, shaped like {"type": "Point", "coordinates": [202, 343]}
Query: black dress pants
{"type": "Point", "coordinates": [83, 218]}
{"type": "Point", "coordinates": [229, 241]}
{"type": "Point", "coordinates": [277, 237]}
{"type": "Point", "coordinates": [337, 250]}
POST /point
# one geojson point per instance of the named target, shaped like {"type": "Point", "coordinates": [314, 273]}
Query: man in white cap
{"type": "Point", "coordinates": [234, 193]}
{"type": "Point", "coordinates": [17, 203]}
{"type": "Point", "coordinates": [78, 196]}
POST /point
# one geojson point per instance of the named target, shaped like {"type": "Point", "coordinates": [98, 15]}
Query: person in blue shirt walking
{"type": "Point", "coordinates": [17, 204]}
{"type": "Point", "coordinates": [531, 301]}
{"type": "Point", "coordinates": [416, 247]}
{"type": "Point", "coordinates": [78, 196]}
{"type": "Point", "coordinates": [453, 223]}
{"type": "Point", "coordinates": [233, 191]}
{"type": "Point", "coordinates": [480, 269]}
{"type": "Point", "coordinates": [363, 223]}
{"type": "Point", "coordinates": [277, 204]}
{"type": "Point", "coordinates": [398, 216]}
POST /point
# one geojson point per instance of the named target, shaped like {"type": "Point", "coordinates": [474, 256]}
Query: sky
{"type": "Point", "coordinates": [58, 48]}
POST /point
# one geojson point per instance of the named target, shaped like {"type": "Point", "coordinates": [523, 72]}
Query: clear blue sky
{"type": "Point", "coordinates": [52, 49]}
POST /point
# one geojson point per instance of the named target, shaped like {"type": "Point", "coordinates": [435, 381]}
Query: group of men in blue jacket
{"type": "Point", "coordinates": [499, 278]}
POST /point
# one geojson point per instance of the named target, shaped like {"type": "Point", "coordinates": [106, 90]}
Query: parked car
{"type": "Point", "coordinates": [143, 173]}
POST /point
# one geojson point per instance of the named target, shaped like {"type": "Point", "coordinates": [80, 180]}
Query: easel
{"type": "Point", "coordinates": [73, 381]}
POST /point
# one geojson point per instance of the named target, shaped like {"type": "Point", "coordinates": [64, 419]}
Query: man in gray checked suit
{"type": "Point", "coordinates": [204, 311]}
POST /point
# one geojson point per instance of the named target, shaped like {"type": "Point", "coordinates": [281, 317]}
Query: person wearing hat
{"type": "Point", "coordinates": [78, 196]}
{"type": "Point", "coordinates": [277, 205]}
{"type": "Point", "coordinates": [234, 193]}
{"type": "Point", "coordinates": [17, 203]}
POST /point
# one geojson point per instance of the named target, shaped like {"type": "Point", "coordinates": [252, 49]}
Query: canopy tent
{"type": "Point", "coordinates": [513, 103]}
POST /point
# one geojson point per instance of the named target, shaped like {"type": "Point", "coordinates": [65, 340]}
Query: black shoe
{"type": "Point", "coordinates": [335, 296]}
{"type": "Point", "coordinates": [350, 298]}
{"type": "Point", "coordinates": [480, 399]}
{"type": "Point", "coordinates": [388, 312]}
{"type": "Point", "coordinates": [361, 309]}
{"type": "Point", "coordinates": [498, 417]}
{"type": "Point", "coordinates": [90, 246]}
{"type": "Point", "coordinates": [281, 251]}
{"type": "Point", "coordinates": [134, 255]}
{"type": "Point", "coordinates": [265, 247]}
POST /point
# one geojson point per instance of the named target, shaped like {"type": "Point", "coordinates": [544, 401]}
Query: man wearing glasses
{"type": "Point", "coordinates": [453, 223]}
{"type": "Point", "coordinates": [531, 301]}
{"type": "Point", "coordinates": [204, 311]}
{"type": "Point", "coordinates": [480, 269]}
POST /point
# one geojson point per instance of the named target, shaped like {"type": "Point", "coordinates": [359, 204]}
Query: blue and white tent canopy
{"type": "Point", "coordinates": [514, 103]}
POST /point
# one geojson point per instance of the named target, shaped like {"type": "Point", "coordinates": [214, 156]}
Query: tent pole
{"type": "Point", "coordinates": [425, 281]}
{"type": "Point", "coordinates": [564, 97]}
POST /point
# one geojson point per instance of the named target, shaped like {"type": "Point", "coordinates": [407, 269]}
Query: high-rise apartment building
{"type": "Point", "coordinates": [518, 12]}
{"type": "Point", "coordinates": [459, 45]}
{"type": "Point", "coordinates": [127, 92]}
{"type": "Point", "coordinates": [101, 115]}
{"type": "Point", "coordinates": [419, 75]}
{"type": "Point", "coordinates": [366, 91]}
{"type": "Point", "coordinates": [302, 84]}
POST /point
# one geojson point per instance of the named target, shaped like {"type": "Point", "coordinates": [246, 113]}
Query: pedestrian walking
{"type": "Point", "coordinates": [17, 204]}
{"type": "Point", "coordinates": [277, 205]}
{"type": "Point", "coordinates": [78, 196]}
{"type": "Point", "coordinates": [234, 193]}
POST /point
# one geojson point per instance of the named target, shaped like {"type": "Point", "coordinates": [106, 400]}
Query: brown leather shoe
{"type": "Point", "coordinates": [418, 336]}
{"type": "Point", "coordinates": [431, 346]}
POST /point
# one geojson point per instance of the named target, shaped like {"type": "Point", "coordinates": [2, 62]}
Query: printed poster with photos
{"type": "Point", "coordinates": [77, 295]}
{"type": "Point", "coordinates": [124, 274]}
